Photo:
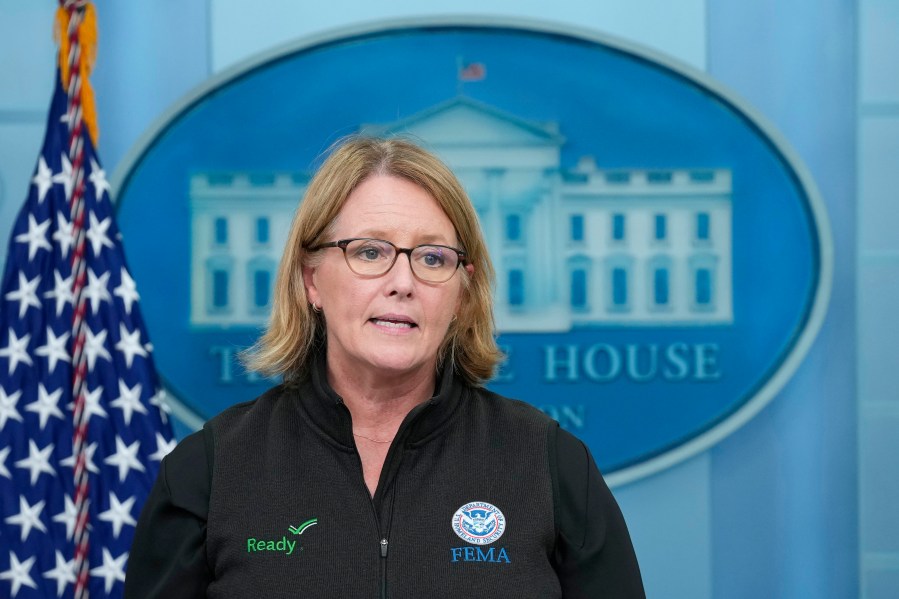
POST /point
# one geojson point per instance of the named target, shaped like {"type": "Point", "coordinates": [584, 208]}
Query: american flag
{"type": "Point", "coordinates": [473, 71]}
{"type": "Point", "coordinates": [128, 428]}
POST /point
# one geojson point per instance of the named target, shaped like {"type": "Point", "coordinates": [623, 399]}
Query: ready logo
{"type": "Point", "coordinates": [282, 545]}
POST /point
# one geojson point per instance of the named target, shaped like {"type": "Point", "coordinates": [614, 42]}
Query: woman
{"type": "Point", "coordinates": [381, 466]}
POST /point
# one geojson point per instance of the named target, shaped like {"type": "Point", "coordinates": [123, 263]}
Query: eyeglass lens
{"type": "Point", "coordinates": [371, 257]}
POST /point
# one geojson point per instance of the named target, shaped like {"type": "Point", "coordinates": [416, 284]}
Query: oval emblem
{"type": "Point", "coordinates": [479, 523]}
{"type": "Point", "coordinates": [663, 259]}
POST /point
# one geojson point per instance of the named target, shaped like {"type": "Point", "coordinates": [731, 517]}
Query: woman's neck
{"type": "Point", "coordinates": [379, 403]}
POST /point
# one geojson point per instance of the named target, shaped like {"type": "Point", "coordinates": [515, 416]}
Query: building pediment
{"type": "Point", "coordinates": [462, 121]}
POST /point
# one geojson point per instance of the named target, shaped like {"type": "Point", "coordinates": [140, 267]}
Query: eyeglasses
{"type": "Point", "coordinates": [375, 257]}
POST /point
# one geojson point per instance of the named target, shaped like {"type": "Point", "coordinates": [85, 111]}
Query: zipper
{"type": "Point", "coordinates": [384, 543]}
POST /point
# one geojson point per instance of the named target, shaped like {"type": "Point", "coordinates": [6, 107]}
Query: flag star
{"type": "Point", "coordinates": [4, 453]}
{"type": "Point", "coordinates": [160, 401]}
{"type": "Point", "coordinates": [98, 178]}
{"type": "Point", "coordinates": [65, 176]}
{"type": "Point", "coordinates": [16, 350]}
{"type": "Point", "coordinates": [55, 349]}
{"type": "Point", "coordinates": [46, 405]}
{"type": "Point", "coordinates": [94, 347]}
{"type": "Point", "coordinates": [128, 401]}
{"type": "Point", "coordinates": [125, 458]}
{"type": "Point", "coordinates": [127, 290]}
{"type": "Point", "coordinates": [18, 573]}
{"type": "Point", "coordinates": [64, 234]}
{"type": "Point", "coordinates": [63, 573]}
{"type": "Point", "coordinates": [43, 179]}
{"type": "Point", "coordinates": [113, 569]}
{"type": "Point", "coordinates": [97, 289]}
{"type": "Point", "coordinates": [96, 233]}
{"type": "Point", "coordinates": [62, 292]}
{"type": "Point", "coordinates": [26, 294]}
{"type": "Point", "coordinates": [129, 344]}
{"type": "Point", "coordinates": [163, 447]}
{"type": "Point", "coordinates": [68, 517]}
{"type": "Point", "coordinates": [88, 460]}
{"type": "Point", "coordinates": [38, 460]}
{"type": "Point", "coordinates": [29, 517]}
{"type": "Point", "coordinates": [36, 237]}
{"type": "Point", "coordinates": [119, 514]}
{"type": "Point", "coordinates": [91, 404]}
{"type": "Point", "coordinates": [8, 409]}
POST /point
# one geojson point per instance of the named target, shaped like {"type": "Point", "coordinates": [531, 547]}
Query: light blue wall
{"type": "Point", "coordinates": [773, 510]}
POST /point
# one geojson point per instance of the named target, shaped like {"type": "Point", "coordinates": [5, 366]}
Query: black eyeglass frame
{"type": "Point", "coordinates": [344, 243]}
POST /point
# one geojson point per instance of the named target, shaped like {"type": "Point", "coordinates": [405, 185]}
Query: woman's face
{"type": "Point", "coordinates": [392, 324]}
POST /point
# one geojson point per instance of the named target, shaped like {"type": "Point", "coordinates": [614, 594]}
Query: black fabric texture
{"type": "Point", "coordinates": [261, 469]}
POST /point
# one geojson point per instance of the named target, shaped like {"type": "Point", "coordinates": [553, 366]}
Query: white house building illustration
{"type": "Point", "coordinates": [573, 246]}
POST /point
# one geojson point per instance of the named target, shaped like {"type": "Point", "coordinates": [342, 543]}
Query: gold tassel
{"type": "Point", "coordinates": [61, 33]}
{"type": "Point", "coordinates": [87, 39]}
{"type": "Point", "coordinates": [87, 36]}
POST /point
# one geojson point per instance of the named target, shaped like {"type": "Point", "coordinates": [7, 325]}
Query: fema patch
{"type": "Point", "coordinates": [479, 522]}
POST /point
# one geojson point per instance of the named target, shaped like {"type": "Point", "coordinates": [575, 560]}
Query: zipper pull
{"type": "Point", "coordinates": [383, 547]}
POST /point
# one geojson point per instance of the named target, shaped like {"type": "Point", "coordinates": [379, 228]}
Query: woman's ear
{"type": "Point", "coordinates": [309, 284]}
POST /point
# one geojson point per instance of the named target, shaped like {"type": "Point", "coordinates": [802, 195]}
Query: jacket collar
{"type": "Point", "coordinates": [325, 410]}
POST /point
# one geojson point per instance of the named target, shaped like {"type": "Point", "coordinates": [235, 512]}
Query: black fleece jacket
{"type": "Point", "coordinates": [480, 496]}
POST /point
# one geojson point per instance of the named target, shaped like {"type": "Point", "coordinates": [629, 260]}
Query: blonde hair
{"type": "Point", "coordinates": [295, 330]}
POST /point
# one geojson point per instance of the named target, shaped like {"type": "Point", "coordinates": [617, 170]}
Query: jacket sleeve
{"type": "Point", "coordinates": [594, 556]}
{"type": "Point", "coordinates": [168, 554]}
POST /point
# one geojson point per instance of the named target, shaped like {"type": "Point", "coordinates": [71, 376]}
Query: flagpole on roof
{"type": "Point", "coordinates": [76, 22]}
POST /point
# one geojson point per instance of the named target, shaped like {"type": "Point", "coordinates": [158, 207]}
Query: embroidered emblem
{"type": "Point", "coordinates": [479, 523]}
{"type": "Point", "coordinates": [298, 530]}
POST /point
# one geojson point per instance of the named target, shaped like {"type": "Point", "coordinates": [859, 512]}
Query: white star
{"type": "Point", "coordinates": [46, 404]}
{"type": "Point", "coordinates": [4, 453]}
{"type": "Point", "coordinates": [96, 233]}
{"type": "Point", "coordinates": [64, 234]}
{"type": "Point", "coordinates": [127, 290]}
{"type": "Point", "coordinates": [125, 458]}
{"type": "Point", "coordinates": [8, 407]}
{"type": "Point", "coordinates": [119, 514]}
{"type": "Point", "coordinates": [98, 178]}
{"type": "Point", "coordinates": [18, 573]}
{"type": "Point", "coordinates": [128, 401]}
{"type": "Point", "coordinates": [42, 179]}
{"type": "Point", "coordinates": [55, 349]}
{"type": "Point", "coordinates": [160, 401]}
{"type": "Point", "coordinates": [63, 573]}
{"type": "Point", "coordinates": [38, 460]}
{"type": "Point", "coordinates": [91, 404]}
{"type": "Point", "coordinates": [65, 176]}
{"type": "Point", "coordinates": [97, 289]}
{"type": "Point", "coordinates": [36, 237]}
{"type": "Point", "coordinates": [62, 292]}
{"type": "Point", "coordinates": [68, 517]}
{"type": "Point", "coordinates": [111, 570]}
{"type": "Point", "coordinates": [163, 447]}
{"type": "Point", "coordinates": [88, 460]}
{"type": "Point", "coordinates": [29, 517]}
{"type": "Point", "coordinates": [129, 344]}
{"type": "Point", "coordinates": [16, 350]}
{"type": "Point", "coordinates": [26, 294]}
{"type": "Point", "coordinates": [94, 347]}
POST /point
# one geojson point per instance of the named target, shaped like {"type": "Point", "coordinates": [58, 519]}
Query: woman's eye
{"type": "Point", "coordinates": [369, 253]}
{"type": "Point", "coordinates": [433, 259]}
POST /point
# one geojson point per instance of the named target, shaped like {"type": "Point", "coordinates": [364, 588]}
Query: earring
{"type": "Point", "coordinates": [316, 308]}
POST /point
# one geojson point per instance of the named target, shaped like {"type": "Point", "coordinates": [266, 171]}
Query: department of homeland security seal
{"type": "Point", "coordinates": [479, 523]}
